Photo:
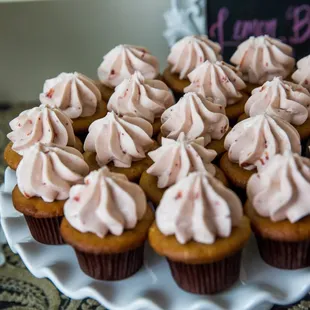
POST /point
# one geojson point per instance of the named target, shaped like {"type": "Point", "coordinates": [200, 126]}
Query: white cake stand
{"type": "Point", "coordinates": [152, 288]}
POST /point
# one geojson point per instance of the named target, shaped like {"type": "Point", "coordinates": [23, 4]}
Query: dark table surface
{"type": "Point", "coordinates": [19, 289]}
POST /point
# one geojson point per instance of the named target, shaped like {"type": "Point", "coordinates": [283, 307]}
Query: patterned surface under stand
{"type": "Point", "coordinates": [19, 289]}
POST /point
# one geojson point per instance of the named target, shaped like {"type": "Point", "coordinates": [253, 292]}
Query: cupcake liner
{"type": "Point", "coordinates": [284, 255]}
{"type": "Point", "coordinates": [207, 278]}
{"type": "Point", "coordinates": [45, 230]}
{"type": "Point", "coordinates": [111, 267]}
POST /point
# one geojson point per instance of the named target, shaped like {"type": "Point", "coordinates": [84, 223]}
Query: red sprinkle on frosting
{"type": "Point", "coordinates": [50, 93]}
{"type": "Point", "coordinates": [179, 195]}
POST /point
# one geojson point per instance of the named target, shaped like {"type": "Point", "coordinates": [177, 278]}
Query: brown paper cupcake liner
{"type": "Point", "coordinates": [207, 278]}
{"type": "Point", "coordinates": [111, 267]}
{"type": "Point", "coordinates": [284, 255]}
{"type": "Point", "coordinates": [45, 230]}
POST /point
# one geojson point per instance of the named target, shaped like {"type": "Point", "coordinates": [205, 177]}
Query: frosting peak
{"type": "Point", "coordinates": [188, 53]}
{"type": "Point", "coordinates": [281, 190]}
{"type": "Point", "coordinates": [107, 202]}
{"type": "Point", "coordinates": [262, 58]}
{"type": "Point", "coordinates": [217, 80]}
{"type": "Point", "coordinates": [302, 74]}
{"type": "Point", "coordinates": [137, 96]}
{"type": "Point", "coordinates": [121, 140]}
{"type": "Point", "coordinates": [123, 60]}
{"type": "Point", "coordinates": [281, 98]}
{"type": "Point", "coordinates": [40, 124]}
{"type": "Point", "coordinates": [48, 171]}
{"type": "Point", "coordinates": [174, 160]}
{"type": "Point", "coordinates": [203, 209]}
{"type": "Point", "coordinates": [254, 141]}
{"type": "Point", "coordinates": [73, 93]}
{"type": "Point", "coordinates": [196, 117]}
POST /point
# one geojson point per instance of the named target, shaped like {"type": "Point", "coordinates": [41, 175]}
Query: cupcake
{"type": "Point", "coordinates": [278, 207]}
{"type": "Point", "coordinates": [222, 83]}
{"type": "Point", "coordinates": [106, 222]}
{"type": "Point", "coordinates": [77, 96]}
{"type": "Point", "coordinates": [302, 75]}
{"type": "Point", "coordinates": [39, 124]}
{"type": "Point", "coordinates": [201, 231]}
{"type": "Point", "coordinates": [120, 143]}
{"type": "Point", "coordinates": [196, 117]}
{"type": "Point", "coordinates": [44, 177]}
{"type": "Point", "coordinates": [186, 55]}
{"type": "Point", "coordinates": [137, 96]}
{"type": "Point", "coordinates": [121, 62]}
{"type": "Point", "coordinates": [262, 58]}
{"type": "Point", "coordinates": [283, 99]}
{"type": "Point", "coordinates": [174, 160]}
{"type": "Point", "coordinates": [254, 141]}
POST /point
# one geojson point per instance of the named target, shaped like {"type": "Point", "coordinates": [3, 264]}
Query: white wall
{"type": "Point", "coordinates": [41, 39]}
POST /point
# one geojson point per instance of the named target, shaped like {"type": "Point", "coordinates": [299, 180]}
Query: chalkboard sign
{"type": "Point", "coordinates": [232, 21]}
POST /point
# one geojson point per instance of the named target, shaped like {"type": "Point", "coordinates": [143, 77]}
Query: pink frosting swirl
{"type": "Point", "coordinates": [121, 140]}
{"type": "Point", "coordinates": [262, 58]}
{"type": "Point", "coordinates": [40, 124]}
{"type": "Point", "coordinates": [188, 53]}
{"type": "Point", "coordinates": [281, 190]}
{"type": "Point", "coordinates": [48, 171]}
{"type": "Point", "coordinates": [174, 160]}
{"type": "Point", "coordinates": [73, 93]}
{"type": "Point", "coordinates": [302, 74]}
{"type": "Point", "coordinates": [196, 117]}
{"type": "Point", "coordinates": [254, 141]}
{"type": "Point", "coordinates": [203, 209]}
{"type": "Point", "coordinates": [137, 96]}
{"type": "Point", "coordinates": [217, 80]}
{"type": "Point", "coordinates": [106, 203]}
{"type": "Point", "coordinates": [280, 98]}
{"type": "Point", "coordinates": [123, 60]}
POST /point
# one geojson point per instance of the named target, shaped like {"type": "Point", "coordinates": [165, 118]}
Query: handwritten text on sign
{"type": "Point", "coordinates": [298, 18]}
